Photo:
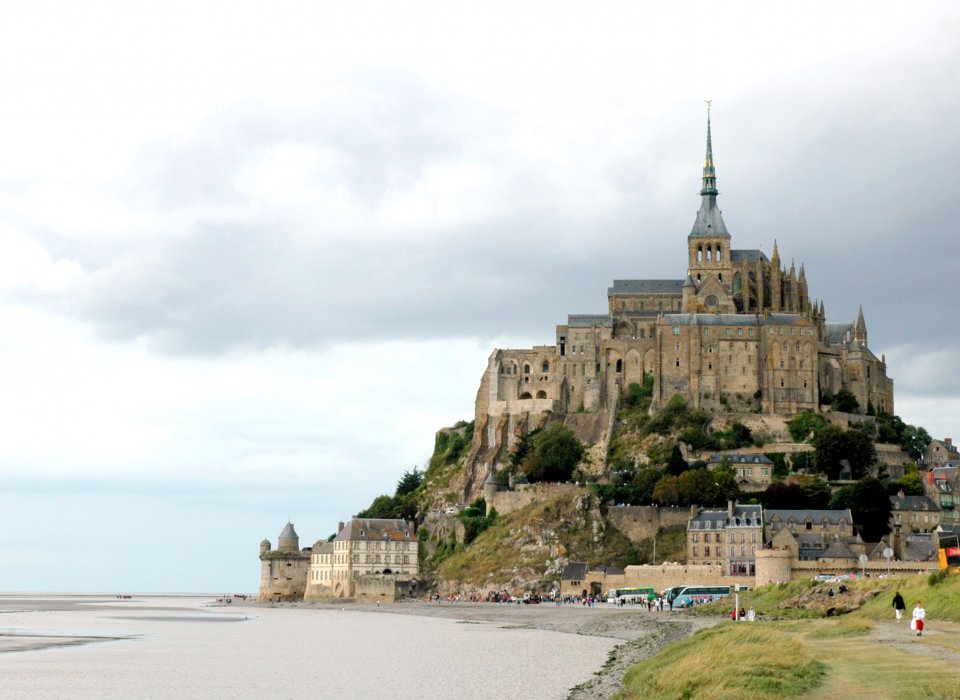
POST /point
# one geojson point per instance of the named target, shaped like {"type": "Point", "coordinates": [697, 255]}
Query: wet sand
{"type": "Point", "coordinates": [641, 634]}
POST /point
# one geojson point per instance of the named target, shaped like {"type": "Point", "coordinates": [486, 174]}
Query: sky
{"type": "Point", "coordinates": [253, 255]}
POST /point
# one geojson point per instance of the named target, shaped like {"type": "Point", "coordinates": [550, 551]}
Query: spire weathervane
{"type": "Point", "coordinates": [709, 172]}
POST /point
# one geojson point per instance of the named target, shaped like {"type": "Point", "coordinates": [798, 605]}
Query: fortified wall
{"type": "Point", "coordinates": [508, 500]}
{"type": "Point", "coordinates": [641, 523]}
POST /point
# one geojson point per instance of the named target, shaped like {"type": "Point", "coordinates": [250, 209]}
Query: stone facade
{"type": "Point", "coordinates": [726, 538]}
{"type": "Point", "coordinates": [283, 571]}
{"type": "Point", "coordinates": [737, 333]}
{"type": "Point", "coordinates": [909, 514]}
{"type": "Point", "coordinates": [754, 472]}
{"type": "Point", "coordinates": [362, 547]}
{"type": "Point", "coordinates": [641, 523]}
{"type": "Point", "coordinates": [809, 521]}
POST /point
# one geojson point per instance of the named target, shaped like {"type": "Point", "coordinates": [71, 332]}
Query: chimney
{"type": "Point", "coordinates": [949, 441]}
{"type": "Point", "coordinates": [339, 527]}
{"type": "Point", "coordinates": [730, 506]}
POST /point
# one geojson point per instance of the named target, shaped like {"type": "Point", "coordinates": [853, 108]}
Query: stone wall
{"type": "Point", "coordinates": [386, 588]}
{"type": "Point", "coordinates": [522, 495]}
{"type": "Point", "coordinates": [640, 523]}
{"type": "Point", "coordinates": [283, 576]}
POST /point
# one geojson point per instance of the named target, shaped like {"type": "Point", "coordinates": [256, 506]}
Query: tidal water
{"type": "Point", "coordinates": [180, 648]}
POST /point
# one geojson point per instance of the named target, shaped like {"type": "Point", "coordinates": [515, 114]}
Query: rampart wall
{"type": "Point", "coordinates": [640, 523]}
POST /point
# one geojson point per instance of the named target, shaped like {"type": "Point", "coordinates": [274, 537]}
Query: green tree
{"type": "Point", "coordinates": [667, 491]}
{"type": "Point", "coordinates": [871, 508]}
{"type": "Point", "coordinates": [644, 482]}
{"type": "Point", "coordinates": [409, 482]}
{"type": "Point", "coordinates": [782, 496]}
{"type": "Point", "coordinates": [676, 465]}
{"type": "Point", "coordinates": [914, 440]}
{"type": "Point", "coordinates": [845, 402]}
{"type": "Point", "coordinates": [833, 444]}
{"type": "Point", "coordinates": [556, 451]}
{"type": "Point", "coordinates": [804, 425]}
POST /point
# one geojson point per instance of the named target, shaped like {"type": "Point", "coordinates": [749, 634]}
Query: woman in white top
{"type": "Point", "coordinates": [918, 616]}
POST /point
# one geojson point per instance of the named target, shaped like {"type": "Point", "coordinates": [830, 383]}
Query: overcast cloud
{"type": "Point", "coordinates": [254, 255]}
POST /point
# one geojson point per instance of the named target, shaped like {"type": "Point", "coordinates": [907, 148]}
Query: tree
{"type": "Point", "coordinates": [782, 496]}
{"type": "Point", "coordinates": [676, 465]}
{"type": "Point", "coordinates": [554, 454]}
{"type": "Point", "coordinates": [914, 440]}
{"type": "Point", "coordinates": [667, 491]}
{"type": "Point", "coordinates": [804, 425]}
{"type": "Point", "coordinates": [871, 508]}
{"type": "Point", "coordinates": [409, 482]}
{"type": "Point", "coordinates": [816, 493]}
{"type": "Point", "coordinates": [833, 444]}
{"type": "Point", "coordinates": [845, 402]}
{"type": "Point", "coordinates": [644, 482]}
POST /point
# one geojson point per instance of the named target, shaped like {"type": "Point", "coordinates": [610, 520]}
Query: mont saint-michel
{"type": "Point", "coordinates": [717, 415]}
{"type": "Point", "coordinates": [737, 333]}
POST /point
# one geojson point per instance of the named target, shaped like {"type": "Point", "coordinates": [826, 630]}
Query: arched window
{"type": "Point", "coordinates": [546, 366]}
{"type": "Point", "coordinates": [619, 366]}
{"type": "Point", "coordinates": [526, 369]}
{"type": "Point", "coordinates": [525, 395]}
{"type": "Point", "coordinates": [541, 394]}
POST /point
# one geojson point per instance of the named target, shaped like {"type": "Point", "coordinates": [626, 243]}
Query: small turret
{"type": "Point", "coordinates": [264, 546]}
{"type": "Point", "coordinates": [860, 329]}
{"type": "Point", "coordinates": [289, 540]}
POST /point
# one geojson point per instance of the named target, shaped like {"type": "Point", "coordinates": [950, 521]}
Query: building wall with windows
{"type": "Point", "coordinates": [726, 538]}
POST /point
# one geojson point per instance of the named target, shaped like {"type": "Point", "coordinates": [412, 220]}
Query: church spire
{"type": "Point", "coordinates": [709, 220]}
{"type": "Point", "coordinates": [860, 329]}
{"type": "Point", "coordinates": [709, 172]}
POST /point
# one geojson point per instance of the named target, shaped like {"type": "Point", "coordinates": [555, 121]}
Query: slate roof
{"type": "Point", "coordinates": [709, 221]}
{"type": "Point", "coordinates": [737, 256]}
{"type": "Point", "coordinates": [920, 547]}
{"type": "Point", "coordinates": [743, 516]}
{"type": "Point", "coordinates": [800, 515]}
{"type": "Point", "coordinates": [374, 529]}
{"type": "Point", "coordinates": [674, 287]}
{"type": "Point", "coordinates": [288, 532]}
{"type": "Point", "coordinates": [740, 459]}
{"type": "Point", "coordinates": [913, 503]}
{"type": "Point", "coordinates": [838, 550]}
{"type": "Point", "coordinates": [574, 571]}
{"type": "Point", "coordinates": [587, 320]}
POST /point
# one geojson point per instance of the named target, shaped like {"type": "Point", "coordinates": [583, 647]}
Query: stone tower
{"type": "Point", "coordinates": [283, 571]}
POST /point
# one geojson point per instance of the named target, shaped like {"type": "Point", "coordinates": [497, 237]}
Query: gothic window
{"type": "Point", "coordinates": [546, 366]}
{"type": "Point", "coordinates": [526, 369]}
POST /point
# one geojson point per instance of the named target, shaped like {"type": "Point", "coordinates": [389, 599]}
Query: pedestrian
{"type": "Point", "coordinates": [919, 614]}
{"type": "Point", "coordinates": [743, 614]}
{"type": "Point", "coordinates": [751, 615]}
{"type": "Point", "coordinates": [898, 605]}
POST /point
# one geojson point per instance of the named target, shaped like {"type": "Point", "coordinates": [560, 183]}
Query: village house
{"type": "Point", "coordinates": [362, 547]}
{"type": "Point", "coordinates": [726, 538]}
{"type": "Point", "coordinates": [909, 514]}
{"type": "Point", "coordinates": [940, 486]}
{"type": "Point", "coordinates": [939, 452]}
{"type": "Point", "coordinates": [810, 521]}
{"type": "Point", "coordinates": [754, 472]}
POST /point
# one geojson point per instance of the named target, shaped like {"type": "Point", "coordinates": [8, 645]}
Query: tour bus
{"type": "Point", "coordinates": [687, 596]}
{"type": "Point", "coordinates": [630, 595]}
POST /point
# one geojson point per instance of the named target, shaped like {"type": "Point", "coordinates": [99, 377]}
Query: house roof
{"type": "Point", "coordinates": [374, 529]}
{"type": "Point", "coordinates": [743, 255]}
{"type": "Point", "coordinates": [800, 515]}
{"type": "Point", "coordinates": [673, 287]}
{"type": "Point", "coordinates": [838, 550]}
{"type": "Point", "coordinates": [743, 516]}
{"type": "Point", "coordinates": [920, 546]}
{"type": "Point", "coordinates": [574, 571]}
{"type": "Point", "coordinates": [913, 503]}
{"type": "Point", "coordinates": [741, 458]}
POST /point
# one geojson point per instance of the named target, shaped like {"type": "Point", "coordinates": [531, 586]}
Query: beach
{"type": "Point", "coordinates": [158, 646]}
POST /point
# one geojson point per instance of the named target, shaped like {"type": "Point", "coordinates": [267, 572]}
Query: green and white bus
{"type": "Point", "coordinates": [630, 595]}
{"type": "Point", "coordinates": [688, 596]}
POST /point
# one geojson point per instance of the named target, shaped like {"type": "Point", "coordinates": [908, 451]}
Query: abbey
{"type": "Point", "coordinates": [738, 334]}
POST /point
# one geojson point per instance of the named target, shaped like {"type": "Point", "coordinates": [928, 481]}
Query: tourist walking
{"type": "Point", "coordinates": [898, 605]}
{"type": "Point", "coordinates": [919, 614]}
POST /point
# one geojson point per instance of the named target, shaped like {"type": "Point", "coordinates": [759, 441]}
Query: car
{"type": "Point", "coordinates": [450, 511]}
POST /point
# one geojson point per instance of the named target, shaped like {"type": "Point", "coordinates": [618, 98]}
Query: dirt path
{"type": "Point", "coordinates": [932, 643]}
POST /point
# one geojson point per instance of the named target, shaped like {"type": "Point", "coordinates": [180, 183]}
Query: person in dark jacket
{"type": "Point", "coordinates": [898, 605]}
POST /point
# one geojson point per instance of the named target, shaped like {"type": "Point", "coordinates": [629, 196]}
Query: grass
{"type": "Point", "coordinates": [731, 660]}
{"type": "Point", "coordinates": [859, 655]}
